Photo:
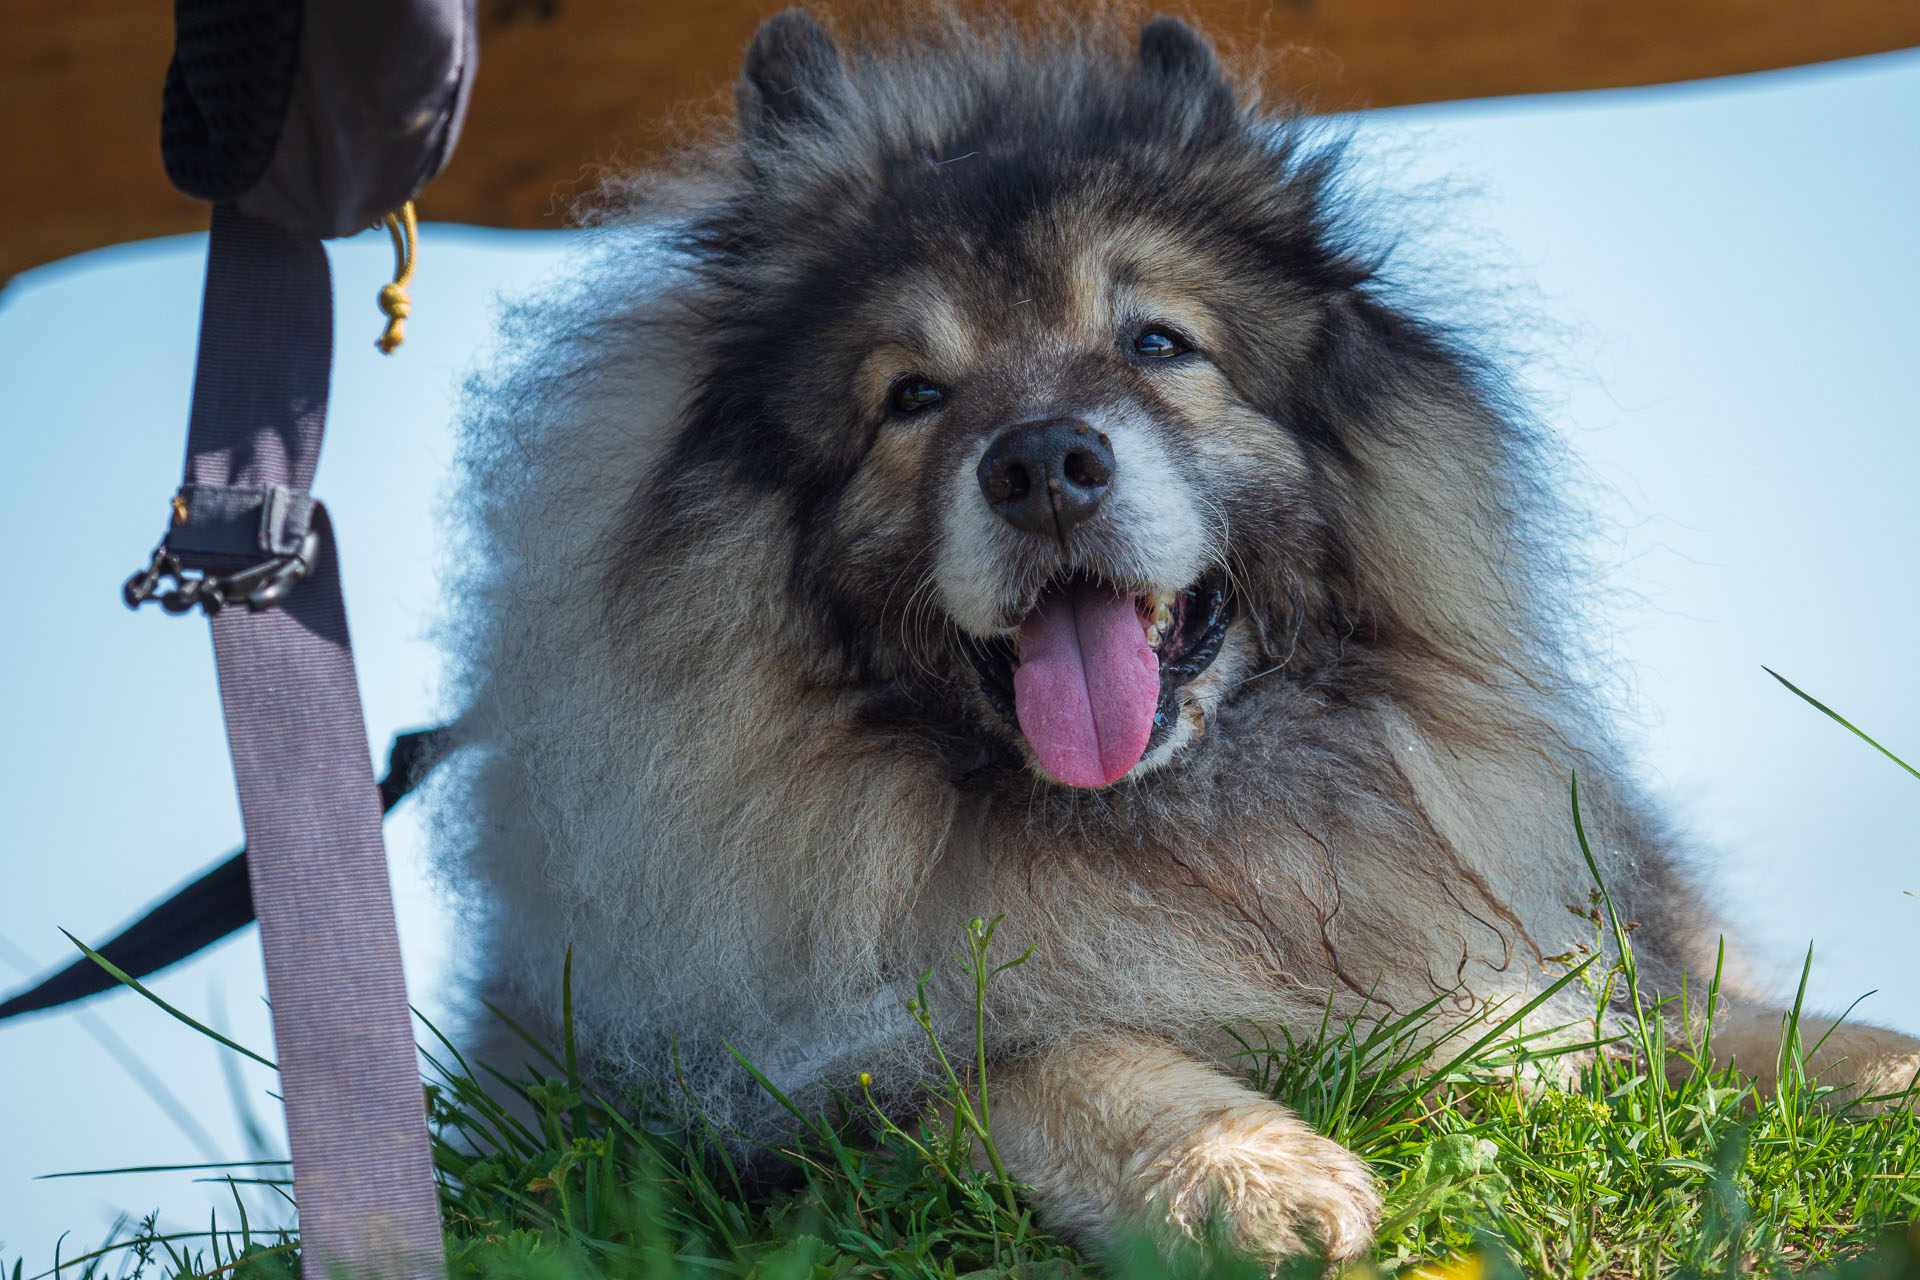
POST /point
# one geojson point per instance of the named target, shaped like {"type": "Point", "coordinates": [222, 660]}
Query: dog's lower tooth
{"type": "Point", "coordinates": [1153, 637]}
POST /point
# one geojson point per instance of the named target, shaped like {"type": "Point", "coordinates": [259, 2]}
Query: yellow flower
{"type": "Point", "coordinates": [1467, 1267]}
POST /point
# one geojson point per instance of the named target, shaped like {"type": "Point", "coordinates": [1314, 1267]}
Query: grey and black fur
{"type": "Point", "coordinates": [737, 620]}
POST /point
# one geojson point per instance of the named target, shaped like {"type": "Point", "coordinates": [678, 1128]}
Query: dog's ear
{"type": "Point", "coordinates": [1177, 69]}
{"type": "Point", "coordinates": [792, 73]}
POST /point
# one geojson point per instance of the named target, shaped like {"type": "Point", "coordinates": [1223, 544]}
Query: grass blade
{"type": "Point", "coordinates": [120, 975]}
{"type": "Point", "coordinates": [1840, 720]}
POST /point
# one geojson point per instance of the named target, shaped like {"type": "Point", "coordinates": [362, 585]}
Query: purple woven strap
{"type": "Point", "coordinates": [356, 1122]}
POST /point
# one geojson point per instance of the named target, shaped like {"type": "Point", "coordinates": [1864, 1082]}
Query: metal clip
{"type": "Point", "coordinates": [260, 586]}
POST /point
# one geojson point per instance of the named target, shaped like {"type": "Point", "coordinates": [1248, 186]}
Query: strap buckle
{"type": "Point", "coordinates": [221, 522]}
{"type": "Point", "coordinates": [260, 587]}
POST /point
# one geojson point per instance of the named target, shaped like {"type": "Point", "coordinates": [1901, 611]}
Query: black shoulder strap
{"type": "Point", "coordinates": [217, 902]}
{"type": "Point", "coordinates": [301, 119]}
{"type": "Point", "coordinates": [254, 550]}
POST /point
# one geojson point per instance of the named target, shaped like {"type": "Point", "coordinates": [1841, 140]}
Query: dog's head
{"type": "Point", "coordinates": [1082, 412]}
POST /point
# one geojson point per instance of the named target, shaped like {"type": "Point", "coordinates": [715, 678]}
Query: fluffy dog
{"type": "Point", "coordinates": [997, 479]}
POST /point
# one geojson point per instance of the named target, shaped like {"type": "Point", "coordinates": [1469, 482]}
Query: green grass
{"type": "Point", "coordinates": [1616, 1170]}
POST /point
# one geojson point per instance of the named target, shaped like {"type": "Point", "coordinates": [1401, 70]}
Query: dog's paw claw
{"type": "Point", "coordinates": [1265, 1186]}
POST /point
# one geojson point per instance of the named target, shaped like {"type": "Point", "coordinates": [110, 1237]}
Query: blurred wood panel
{"type": "Point", "coordinates": [567, 84]}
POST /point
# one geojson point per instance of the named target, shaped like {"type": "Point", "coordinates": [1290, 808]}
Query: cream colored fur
{"type": "Point", "coordinates": [1118, 1132]}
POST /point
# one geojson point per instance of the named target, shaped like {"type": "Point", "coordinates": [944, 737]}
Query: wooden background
{"type": "Point", "coordinates": [565, 84]}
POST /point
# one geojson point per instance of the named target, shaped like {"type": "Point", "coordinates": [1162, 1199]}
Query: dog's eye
{"type": "Point", "coordinates": [1158, 342]}
{"type": "Point", "coordinates": [914, 393]}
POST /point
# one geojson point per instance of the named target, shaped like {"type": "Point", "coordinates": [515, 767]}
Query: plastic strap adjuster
{"type": "Point", "coordinates": [269, 530]}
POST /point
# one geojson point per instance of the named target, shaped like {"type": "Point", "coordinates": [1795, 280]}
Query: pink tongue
{"type": "Point", "coordinates": [1087, 684]}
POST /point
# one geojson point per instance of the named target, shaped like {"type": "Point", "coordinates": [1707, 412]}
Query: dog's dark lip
{"type": "Point", "coordinates": [1202, 614]}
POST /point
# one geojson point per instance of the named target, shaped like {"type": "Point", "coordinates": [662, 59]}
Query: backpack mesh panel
{"type": "Point", "coordinates": [227, 92]}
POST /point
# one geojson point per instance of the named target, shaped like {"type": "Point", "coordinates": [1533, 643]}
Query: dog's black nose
{"type": "Point", "coordinates": [1047, 477]}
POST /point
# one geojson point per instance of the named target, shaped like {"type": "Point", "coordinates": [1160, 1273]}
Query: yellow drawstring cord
{"type": "Point", "coordinates": [393, 297]}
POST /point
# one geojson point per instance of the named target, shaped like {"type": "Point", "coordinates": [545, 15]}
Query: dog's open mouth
{"type": "Point", "coordinates": [1093, 678]}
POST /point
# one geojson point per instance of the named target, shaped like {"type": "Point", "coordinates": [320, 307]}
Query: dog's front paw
{"type": "Point", "coordinates": [1266, 1185]}
{"type": "Point", "coordinates": [1119, 1134]}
